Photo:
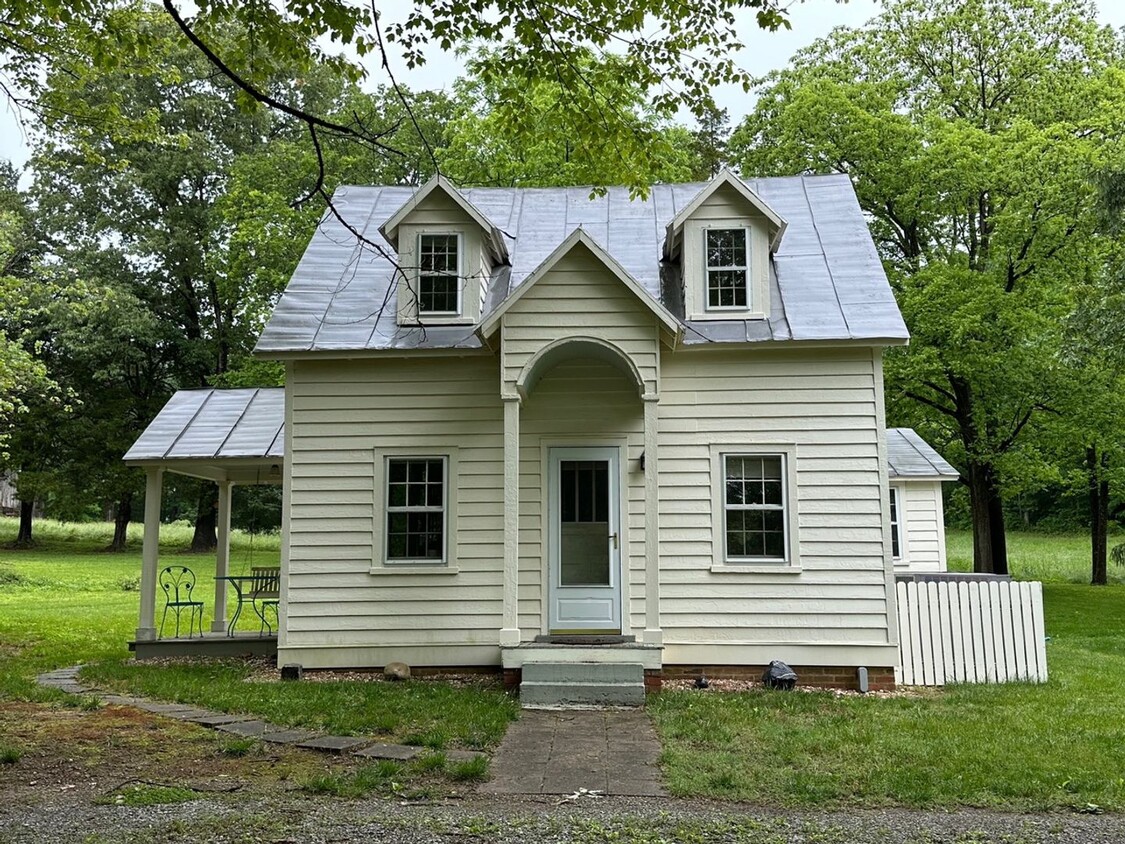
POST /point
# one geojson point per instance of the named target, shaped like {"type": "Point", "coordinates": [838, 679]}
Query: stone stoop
{"type": "Point", "coordinates": [551, 684]}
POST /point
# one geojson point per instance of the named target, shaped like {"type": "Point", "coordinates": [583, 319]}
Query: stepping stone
{"type": "Point", "coordinates": [464, 755]}
{"type": "Point", "coordinates": [120, 700]}
{"type": "Point", "coordinates": [72, 688]}
{"type": "Point", "coordinates": [401, 752]}
{"type": "Point", "coordinates": [287, 736]}
{"type": "Point", "coordinates": [247, 728]}
{"type": "Point", "coordinates": [189, 714]}
{"type": "Point", "coordinates": [334, 744]}
{"type": "Point", "coordinates": [215, 719]}
{"type": "Point", "coordinates": [165, 708]}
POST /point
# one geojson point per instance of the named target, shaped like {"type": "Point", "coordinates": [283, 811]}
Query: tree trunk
{"type": "Point", "coordinates": [122, 515]}
{"type": "Point", "coordinates": [990, 544]}
{"type": "Point", "coordinates": [206, 520]}
{"type": "Point", "coordinates": [27, 513]}
{"type": "Point", "coordinates": [1099, 515]}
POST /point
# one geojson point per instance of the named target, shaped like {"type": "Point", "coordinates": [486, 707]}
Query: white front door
{"type": "Point", "coordinates": [584, 540]}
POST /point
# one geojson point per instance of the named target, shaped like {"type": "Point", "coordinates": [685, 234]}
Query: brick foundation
{"type": "Point", "coordinates": [512, 678]}
{"type": "Point", "coordinates": [654, 680]}
{"type": "Point", "coordinates": [816, 676]}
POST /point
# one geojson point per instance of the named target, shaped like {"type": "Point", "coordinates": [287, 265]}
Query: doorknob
{"type": "Point", "coordinates": [613, 537]}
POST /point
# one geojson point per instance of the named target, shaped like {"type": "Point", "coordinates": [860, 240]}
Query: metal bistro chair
{"type": "Point", "coordinates": [178, 583]}
{"type": "Point", "coordinates": [265, 593]}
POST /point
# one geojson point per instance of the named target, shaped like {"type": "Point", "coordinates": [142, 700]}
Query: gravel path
{"type": "Point", "coordinates": [583, 821]}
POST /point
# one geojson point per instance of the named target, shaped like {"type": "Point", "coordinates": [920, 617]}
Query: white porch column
{"type": "Point", "coordinates": [510, 632]}
{"type": "Point", "coordinates": [150, 554]}
{"type": "Point", "coordinates": [222, 558]}
{"type": "Point", "coordinates": [653, 634]}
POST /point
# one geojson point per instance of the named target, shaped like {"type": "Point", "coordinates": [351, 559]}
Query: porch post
{"type": "Point", "coordinates": [653, 634]}
{"type": "Point", "coordinates": [222, 558]}
{"type": "Point", "coordinates": [510, 632]}
{"type": "Point", "coordinates": [150, 554]}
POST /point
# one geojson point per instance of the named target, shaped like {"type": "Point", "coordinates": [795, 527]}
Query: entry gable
{"type": "Point", "coordinates": [580, 240]}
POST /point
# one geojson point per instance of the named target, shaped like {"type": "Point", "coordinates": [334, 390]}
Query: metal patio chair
{"type": "Point", "coordinates": [265, 593]}
{"type": "Point", "coordinates": [178, 583]}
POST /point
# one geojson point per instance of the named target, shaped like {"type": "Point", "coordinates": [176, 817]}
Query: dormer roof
{"type": "Point", "coordinates": [494, 237]}
{"type": "Point", "coordinates": [725, 178]}
{"type": "Point", "coordinates": [579, 237]}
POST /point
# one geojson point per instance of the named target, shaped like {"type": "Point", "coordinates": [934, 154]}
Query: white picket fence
{"type": "Point", "coordinates": [970, 632]}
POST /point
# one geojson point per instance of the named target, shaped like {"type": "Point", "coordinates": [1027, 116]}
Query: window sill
{"type": "Point", "coordinates": [377, 570]}
{"type": "Point", "coordinates": [732, 315]}
{"type": "Point", "coordinates": [751, 568]}
{"type": "Point", "coordinates": [436, 321]}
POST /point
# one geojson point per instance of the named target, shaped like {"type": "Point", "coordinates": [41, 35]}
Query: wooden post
{"type": "Point", "coordinates": [510, 632]}
{"type": "Point", "coordinates": [653, 635]}
{"type": "Point", "coordinates": [222, 557]}
{"type": "Point", "coordinates": [150, 554]}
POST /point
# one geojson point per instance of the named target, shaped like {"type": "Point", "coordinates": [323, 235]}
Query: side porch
{"type": "Point", "coordinates": [234, 438]}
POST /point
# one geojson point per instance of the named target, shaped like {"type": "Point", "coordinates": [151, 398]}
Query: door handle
{"type": "Point", "coordinates": [613, 538]}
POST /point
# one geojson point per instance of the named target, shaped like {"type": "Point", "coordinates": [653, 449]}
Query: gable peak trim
{"type": "Point", "coordinates": [575, 238]}
{"type": "Point", "coordinates": [725, 177]}
{"type": "Point", "coordinates": [494, 236]}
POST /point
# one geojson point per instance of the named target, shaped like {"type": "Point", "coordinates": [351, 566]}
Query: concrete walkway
{"type": "Point", "coordinates": [560, 752]}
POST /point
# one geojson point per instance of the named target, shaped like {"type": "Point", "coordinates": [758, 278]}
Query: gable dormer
{"type": "Point", "coordinates": [723, 240]}
{"type": "Point", "coordinates": [447, 250]}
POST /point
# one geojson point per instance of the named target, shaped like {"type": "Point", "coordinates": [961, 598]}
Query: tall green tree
{"type": "Point", "coordinates": [204, 211]}
{"type": "Point", "coordinates": [970, 131]}
{"type": "Point", "coordinates": [710, 140]}
{"type": "Point", "coordinates": [515, 129]}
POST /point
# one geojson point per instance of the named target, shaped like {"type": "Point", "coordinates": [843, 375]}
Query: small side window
{"type": "Point", "coordinates": [439, 275]}
{"type": "Point", "coordinates": [896, 524]}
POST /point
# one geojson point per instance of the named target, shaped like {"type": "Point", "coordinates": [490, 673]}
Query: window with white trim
{"type": "Point", "coordinates": [439, 274]}
{"type": "Point", "coordinates": [416, 510]}
{"type": "Point", "coordinates": [896, 525]}
{"type": "Point", "coordinates": [755, 498]}
{"type": "Point", "coordinates": [726, 255]}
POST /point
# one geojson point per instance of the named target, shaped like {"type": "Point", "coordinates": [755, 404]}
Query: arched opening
{"type": "Point", "coordinates": [572, 348]}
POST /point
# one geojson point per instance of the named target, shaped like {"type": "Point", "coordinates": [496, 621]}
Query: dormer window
{"type": "Point", "coordinates": [439, 274]}
{"type": "Point", "coordinates": [727, 256]}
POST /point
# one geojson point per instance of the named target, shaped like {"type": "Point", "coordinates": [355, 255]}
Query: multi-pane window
{"type": "Point", "coordinates": [726, 252]}
{"type": "Point", "coordinates": [754, 503]}
{"type": "Point", "coordinates": [439, 280]}
{"type": "Point", "coordinates": [896, 526]}
{"type": "Point", "coordinates": [416, 509]}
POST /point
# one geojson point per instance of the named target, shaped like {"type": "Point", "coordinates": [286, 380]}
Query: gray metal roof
{"type": "Point", "coordinates": [826, 279]}
{"type": "Point", "coordinates": [215, 424]}
{"type": "Point", "coordinates": [910, 456]}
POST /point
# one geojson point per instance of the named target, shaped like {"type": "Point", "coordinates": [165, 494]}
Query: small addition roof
{"type": "Point", "coordinates": [911, 457]}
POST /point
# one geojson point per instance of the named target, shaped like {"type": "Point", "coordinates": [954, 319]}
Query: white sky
{"type": "Point", "coordinates": [764, 51]}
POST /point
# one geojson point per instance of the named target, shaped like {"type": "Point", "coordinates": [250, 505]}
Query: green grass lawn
{"type": "Point", "coordinates": [67, 601]}
{"type": "Point", "coordinates": [1021, 746]}
{"type": "Point", "coordinates": [1036, 556]}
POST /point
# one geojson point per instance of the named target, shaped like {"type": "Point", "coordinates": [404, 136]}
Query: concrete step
{"type": "Point", "coordinates": [582, 684]}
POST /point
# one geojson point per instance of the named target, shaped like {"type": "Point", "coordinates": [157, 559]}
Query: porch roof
{"type": "Point", "coordinates": [219, 434]}
{"type": "Point", "coordinates": [911, 457]}
{"type": "Point", "coordinates": [233, 434]}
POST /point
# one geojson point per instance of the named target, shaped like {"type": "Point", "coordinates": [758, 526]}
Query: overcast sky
{"type": "Point", "coordinates": [764, 51]}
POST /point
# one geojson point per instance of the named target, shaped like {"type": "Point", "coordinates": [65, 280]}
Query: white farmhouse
{"type": "Point", "coordinates": [523, 427]}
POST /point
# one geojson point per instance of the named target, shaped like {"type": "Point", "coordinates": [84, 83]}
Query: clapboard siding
{"type": "Point", "coordinates": [923, 526]}
{"type": "Point", "coordinates": [342, 413]}
{"type": "Point", "coordinates": [824, 404]}
{"type": "Point", "coordinates": [579, 296]}
{"type": "Point", "coordinates": [578, 402]}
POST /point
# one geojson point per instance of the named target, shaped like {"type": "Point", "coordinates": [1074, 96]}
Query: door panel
{"type": "Point", "coordinates": [583, 553]}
